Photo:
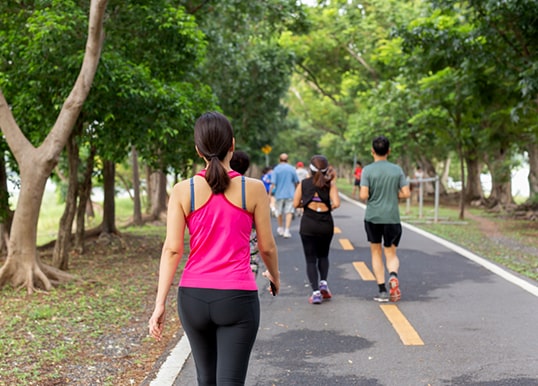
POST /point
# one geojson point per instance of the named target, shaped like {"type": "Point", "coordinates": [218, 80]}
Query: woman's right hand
{"type": "Point", "coordinates": [156, 322]}
{"type": "Point", "coordinates": [276, 283]}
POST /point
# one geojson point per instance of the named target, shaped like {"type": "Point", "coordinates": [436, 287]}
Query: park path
{"type": "Point", "coordinates": [461, 320]}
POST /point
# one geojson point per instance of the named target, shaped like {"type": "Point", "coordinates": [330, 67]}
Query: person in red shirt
{"type": "Point", "coordinates": [357, 183]}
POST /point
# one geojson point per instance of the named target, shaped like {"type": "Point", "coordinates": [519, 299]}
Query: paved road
{"type": "Point", "coordinates": [458, 323]}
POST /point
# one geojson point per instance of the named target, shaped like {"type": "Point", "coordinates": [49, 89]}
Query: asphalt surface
{"type": "Point", "coordinates": [461, 320]}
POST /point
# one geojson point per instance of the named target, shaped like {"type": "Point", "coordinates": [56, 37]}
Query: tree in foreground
{"type": "Point", "coordinates": [23, 267]}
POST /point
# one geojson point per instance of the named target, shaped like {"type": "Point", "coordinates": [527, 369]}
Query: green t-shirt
{"type": "Point", "coordinates": [384, 180]}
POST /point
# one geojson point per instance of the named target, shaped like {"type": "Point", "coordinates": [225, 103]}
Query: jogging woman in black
{"type": "Point", "coordinates": [318, 196]}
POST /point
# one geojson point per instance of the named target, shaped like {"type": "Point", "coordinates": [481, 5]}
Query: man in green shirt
{"type": "Point", "coordinates": [383, 183]}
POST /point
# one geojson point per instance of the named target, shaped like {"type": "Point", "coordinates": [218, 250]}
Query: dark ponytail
{"type": "Point", "coordinates": [322, 173]}
{"type": "Point", "coordinates": [213, 136]}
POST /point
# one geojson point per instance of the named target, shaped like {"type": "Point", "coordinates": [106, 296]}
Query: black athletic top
{"type": "Point", "coordinates": [315, 223]}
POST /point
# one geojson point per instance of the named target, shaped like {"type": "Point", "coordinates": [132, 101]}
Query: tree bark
{"type": "Point", "coordinates": [6, 214]}
{"type": "Point", "coordinates": [159, 196]}
{"type": "Point", "coordinates": [60, 255]}
{"type": "Point", "coordinates": [473, 188]}
{"type": "Point", "coordinates": [23, 267]}
{"type": "Point", "coordinates": [532, 150]}
{"type": "Point", "coordinates": [85, 206]}
{"type": "Point", "coordinates": [149, 189]}
{"type": "Point", "coordinates": [109, 204]}
{"type": "Point", "coordinates": [137, 211]}
{"type": "Point", "coordinates": [501, 179]}
{"type": "Point", "coordinates": [429, 171]}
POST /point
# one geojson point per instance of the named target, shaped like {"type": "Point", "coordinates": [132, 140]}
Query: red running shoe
{"type": "Point", "coordinates": [394, 293]}
{"type": "Point", "coordinates": [324, 289]}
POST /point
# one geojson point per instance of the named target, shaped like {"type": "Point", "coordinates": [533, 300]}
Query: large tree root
{"type": "Point", "coordinates": [32, 275]}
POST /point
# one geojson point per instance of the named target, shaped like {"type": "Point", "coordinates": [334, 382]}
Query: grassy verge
{"type": "Point", "coordinates": [94, 329]}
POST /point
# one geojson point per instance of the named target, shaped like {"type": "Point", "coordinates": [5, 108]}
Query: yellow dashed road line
{"type": "Point", "coordinates": [363, 271]}
{"type": "Point", "coordinates": [404, 329]}
{"type": "Point", "coordinates": [407, 333]}
{"type": "Point", "coordinates": [346, 244]}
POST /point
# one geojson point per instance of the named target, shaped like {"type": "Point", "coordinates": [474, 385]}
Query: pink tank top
{"type": "Point", "coordinates": [219, 255]}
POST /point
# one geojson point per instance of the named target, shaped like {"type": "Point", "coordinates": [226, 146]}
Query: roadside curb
{"type": "Point", "coordinates": [173, 364]}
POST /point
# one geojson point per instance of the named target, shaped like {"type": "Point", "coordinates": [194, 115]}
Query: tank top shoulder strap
{"type": "Point", "coordinates": [192, 194]}
{"type": "Point", "coordinates": [243, 196]}
{"type": "Point", "coordinates": [243, 193]}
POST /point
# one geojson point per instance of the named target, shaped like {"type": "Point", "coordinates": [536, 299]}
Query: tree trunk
{"type": "Point", "coordinates": [532, 150]}
{"type": "Point", "coordinates": [6, 214]}
{"type": "Point", "coordinates": [85, 206]}
{"type": "Point", "coordinates": [23, 267]}
{"type": "Point", "coordinates": [149, 189]}
{"type": "Point", "coordinates": [473, 189]}
{"type": "Point", "coordinates": [429, 171]}
{"type": "Point", "coordinates": [109, 204]}
{"type": "Point", "coordinates": [462, 174]}
{"type": "Point", "coordinates": [137, 211]}
{"type": "Point", "coordinates": [60, 255]}
{"type": "Point", "coordinates": [159, 195]}
{"type": "Point", "coordinates": [501, 179]}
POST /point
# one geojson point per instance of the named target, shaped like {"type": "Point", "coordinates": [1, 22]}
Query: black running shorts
{"type": "Point", "coordinates": [390, 233]}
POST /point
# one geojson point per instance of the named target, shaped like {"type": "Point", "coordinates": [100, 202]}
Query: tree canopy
{"type": "Point", "coordinates": [443, 79]}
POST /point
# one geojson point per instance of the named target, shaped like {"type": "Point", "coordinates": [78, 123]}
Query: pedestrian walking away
{"type": "Point", "coordinates": [302, 173]}
{"type": "Point", "coordinates": [318, 196]}
{"type": "Point", "coordinates": [217, 298]}
{"type": "Point", "coordinates": [383, 183]}
{"type": "Point", "coordinates": [284, 180]}
{"type": "Point", "coordinates": [240, 162]}
{"type": "Point", "coordinates": [267, 172]}
{"type": "Point", "coordinates": [357, 183]}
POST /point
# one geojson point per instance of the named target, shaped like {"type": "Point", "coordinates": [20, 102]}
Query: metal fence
{"type": "Point", "coordinates": [420, 182]}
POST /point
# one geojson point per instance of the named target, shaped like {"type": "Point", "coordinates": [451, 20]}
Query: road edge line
{"type": "Point", "coordinates": [498, 270]}
{"type": "Point", "coordinates": [527, 286]}
{"type": "Point", "coordinates": [173, 364]}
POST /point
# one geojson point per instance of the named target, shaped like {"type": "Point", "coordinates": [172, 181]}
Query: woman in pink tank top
{"type": "Point", "coordinates": [217, 297]}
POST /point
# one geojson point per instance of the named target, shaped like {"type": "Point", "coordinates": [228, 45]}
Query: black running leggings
{"type": "Point", "coordinates": [316, 252]}
{"type": "Point", "coordinates": [221, 326]}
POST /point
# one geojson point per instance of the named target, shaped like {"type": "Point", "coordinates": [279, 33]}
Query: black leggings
{"type": "Point", "coordinates": [316, 252]}
{"type": "Point", "coordinates": [221, 326]}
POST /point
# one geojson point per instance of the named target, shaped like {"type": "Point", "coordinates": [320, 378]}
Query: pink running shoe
{"type": "Point", "coordinates": [394, 293]}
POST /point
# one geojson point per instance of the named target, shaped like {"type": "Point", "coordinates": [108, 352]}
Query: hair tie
{"type": "Point", "coordinates": [315, 169]}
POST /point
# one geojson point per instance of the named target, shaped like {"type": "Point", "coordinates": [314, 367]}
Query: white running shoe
{"type": "Point", "coordinates": [280, 231]}
{"type": "Point", "coordinates": [287, 234]}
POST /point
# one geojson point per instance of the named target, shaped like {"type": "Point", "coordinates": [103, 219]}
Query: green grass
{"type": "Point", "coordinates": [41, 332]}
{"type": "Point", "coordinates": [52, 210]}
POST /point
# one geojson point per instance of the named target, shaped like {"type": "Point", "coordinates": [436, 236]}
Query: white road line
{"type": "Point", "coordinates": [527, 286]}
{"type": "Point", "coordinates": [175, 361]}
{"type": "Point", "coordinates": [173, 364]}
